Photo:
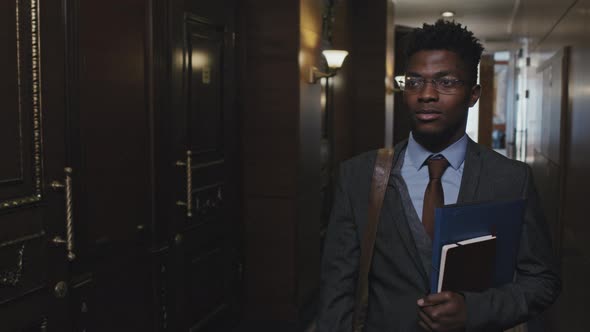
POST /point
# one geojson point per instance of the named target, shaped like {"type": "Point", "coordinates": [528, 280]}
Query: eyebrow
{"type": "Point", "coordinates": [437, 75]}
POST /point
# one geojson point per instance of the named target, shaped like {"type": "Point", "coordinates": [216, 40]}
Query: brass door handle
{"type": "Point", "coordinates": [189, 184]}
{"type": "Point", "coordinates": [69, 241]}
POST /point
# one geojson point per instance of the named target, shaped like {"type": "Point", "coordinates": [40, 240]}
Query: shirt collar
{"type": "Point", "coordinates": [455, 153]}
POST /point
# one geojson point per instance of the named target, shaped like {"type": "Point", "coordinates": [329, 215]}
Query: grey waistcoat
{"type": "Point", "coordinates": [421, 238]}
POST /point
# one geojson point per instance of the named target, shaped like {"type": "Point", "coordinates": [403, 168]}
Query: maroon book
{"type": "Point", "coordinates": [468, 265]}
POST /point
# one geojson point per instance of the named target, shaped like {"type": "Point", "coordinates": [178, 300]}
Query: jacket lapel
{"type": "Point", "coordinates": [394, 212]}
{"type": "Point", "coordinates": [471, 173]}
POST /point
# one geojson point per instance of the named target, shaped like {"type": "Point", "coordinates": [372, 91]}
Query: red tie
{"type": "Point", "coordinates": [434, 196]}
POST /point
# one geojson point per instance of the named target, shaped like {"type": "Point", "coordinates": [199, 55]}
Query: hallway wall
{"type": "Point", "coordinates": [269, 96]}
{"type": "Point", "coordinates": [361, 102]}
{"type": "Point", "coordinates": [568, 28]}
{"type": "Point", "coordinates": [281, 113]}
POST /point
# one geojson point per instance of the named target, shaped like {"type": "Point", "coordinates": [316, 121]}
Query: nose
{"type": "Point", "coordinates": [428, 93]}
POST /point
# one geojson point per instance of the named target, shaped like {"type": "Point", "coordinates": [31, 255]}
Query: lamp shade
{"type": "Point", "coordinates": [335, 58]}
{"type": "Point", "coordinates": [400, 80]}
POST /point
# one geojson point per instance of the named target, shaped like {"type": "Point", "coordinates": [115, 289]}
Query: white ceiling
{"type": "Point", "coordinates": [499, 24]}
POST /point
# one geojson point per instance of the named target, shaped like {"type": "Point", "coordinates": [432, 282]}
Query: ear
{"type": "Point", "coordinates": [475, 94]}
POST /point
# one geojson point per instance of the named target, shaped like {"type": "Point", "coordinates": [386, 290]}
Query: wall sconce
{"type": "Point", "coordinates": [398, 86]}
{"type": "Point", "coordinates": [401, 81]}
{"type": "Point", "coordinates": [334, 58]}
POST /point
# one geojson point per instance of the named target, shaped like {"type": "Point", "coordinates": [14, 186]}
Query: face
{"type": "Point", "coordinates": [438, 120]}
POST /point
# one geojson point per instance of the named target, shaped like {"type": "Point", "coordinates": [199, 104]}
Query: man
{"type": "Point", "coordinates": [440, 87]}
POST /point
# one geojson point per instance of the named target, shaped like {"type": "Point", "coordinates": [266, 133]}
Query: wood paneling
{"type": "Point", "coordinates": [281, 131]}
{"type": "Point", "coordinates": [269, 94]}
{"type": "Point", "coordinates": [270, 278]}
{"type": "Point", "coordinates": [20, 135]}
{"type": "Point", "coordinates": [486, 100]}
{"type": "Point", "coordinates": [30, 213]}
{"type": "Point", "coordinates": [343, 85]}
{"type": "Point", "coordinates": [368, 55]}
{"type": "Point", "coordinates": [307, 246]}
{"type": "Point", "coordinates": [11, 169]}
{"type": "Point", "coordinates": [113, 124]}
{"type": "Point", "coordinates": [110, 153]}
{"type": "Point", "coordinates": [568, 27]}
{"type": "Point", "coordinates": [360, 98]}
{"type": "Point", "coordinates": [200, 176]}
{"type": "Point", "coordinates": [104, 89]}
{"type": "Point", "coordinates": [205, 104]}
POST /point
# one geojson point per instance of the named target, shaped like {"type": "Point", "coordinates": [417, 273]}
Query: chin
{"type": "Point", "coordinates": [429, 133]}
{"type": "Point", "coordinates": [431, 138]}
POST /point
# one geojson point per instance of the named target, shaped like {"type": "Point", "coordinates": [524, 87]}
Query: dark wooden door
{"type": "Point", "coordinates": [549, 144]}
{"type": "Point", "coordinates": [111, 156]}
{"type": "Point", "coordinates": [203, 181]}
{"type": "Point", "coordinates": [34, 183]}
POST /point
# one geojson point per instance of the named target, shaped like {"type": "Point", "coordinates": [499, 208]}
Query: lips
{"type": "Point", "coordinates": [428, 115]}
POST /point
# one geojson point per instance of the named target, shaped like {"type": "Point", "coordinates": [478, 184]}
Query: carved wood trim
{"type": "Point", "coordinates": [28, 37]}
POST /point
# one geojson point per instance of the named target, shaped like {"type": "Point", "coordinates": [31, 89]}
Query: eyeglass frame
{"type": "Point", "coordinates": [435, 83]}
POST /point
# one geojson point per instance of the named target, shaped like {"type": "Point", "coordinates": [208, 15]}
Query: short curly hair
{"type": "Point", "coordinates": [447, 35]}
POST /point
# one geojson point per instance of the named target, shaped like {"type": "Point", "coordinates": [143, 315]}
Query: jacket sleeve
{"type": "Point", "coordinates": [536, 284]}
{"type": "Point", "coordinates": [339, 263]}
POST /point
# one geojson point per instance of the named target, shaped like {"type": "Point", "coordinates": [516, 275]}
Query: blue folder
{"type": "Point", "coordinates": [460, 222]}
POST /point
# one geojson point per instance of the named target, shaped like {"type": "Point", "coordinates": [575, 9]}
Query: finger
{"type": "Point", "coordinates": [424, 326]}
{"type": "Point", "coordinates": [426, 319]}
{"type": "Point", "coordinates": [441, 317]}
{"type": "Point", "coordinates": [434, 299]}
{"type": "Point", "coordinates": [434, 313]}
{"type": "Point", "coordinates": [451, 307]}
{"type": "Point", "coordinates": [440, 312]}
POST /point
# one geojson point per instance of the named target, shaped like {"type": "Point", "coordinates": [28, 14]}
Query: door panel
{"type": "Point", "coordinates": [78, 95]}
{"type": "Point", "coordinates": [205, 46]}
{"type": "Point", "coordinates": [205, 227]}
{"type": "Point", "coordinates": [548, 145]}
{"type": "Point", "coordinates": [23, 285]}
{"type": "Point", "coordinates": [207, 266]}
{"type": "Point", "coordinates": [11, 122]}
{"type": "Point", "coordinates": [31, 212]}
{"type": "Point", "coordinates": [111, 153]}
{"type": "Point", "coordinates": [20, 173]}
{"type": "Point", "coordinates": [113, 134]}
{"type": "Point", "coordinates": [207, 262]}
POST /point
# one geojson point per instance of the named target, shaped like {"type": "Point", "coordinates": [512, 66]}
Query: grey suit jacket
{"type": "Point", "coordinates": [398, 278]}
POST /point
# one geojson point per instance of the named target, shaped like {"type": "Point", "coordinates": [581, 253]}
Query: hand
{"type": "Point", "coordinates": [442, 312]}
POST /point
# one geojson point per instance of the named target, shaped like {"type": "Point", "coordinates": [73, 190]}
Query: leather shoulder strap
{"type": "Point", "coordinates": [379, 182]}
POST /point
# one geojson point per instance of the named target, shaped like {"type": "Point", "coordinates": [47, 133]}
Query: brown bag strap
{"type": "Point", "coordinates": [379, 181]}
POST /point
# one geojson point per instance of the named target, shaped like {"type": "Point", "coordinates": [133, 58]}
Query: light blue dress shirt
{"type": "Point", "coordinates": [415, 171]}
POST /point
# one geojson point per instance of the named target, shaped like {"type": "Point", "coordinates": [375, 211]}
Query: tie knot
{"type": "Point", "coordinates": [437, 166]}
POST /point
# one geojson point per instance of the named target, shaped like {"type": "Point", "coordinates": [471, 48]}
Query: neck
{"type": "Point", "coordinates": [437, 143]}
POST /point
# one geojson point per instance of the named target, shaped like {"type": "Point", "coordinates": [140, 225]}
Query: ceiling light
{"type": "Point", "coordinates": [447, 14]}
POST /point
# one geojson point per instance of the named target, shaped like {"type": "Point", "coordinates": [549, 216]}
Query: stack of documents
{"type": "Point", "coordinates": [499, 221]}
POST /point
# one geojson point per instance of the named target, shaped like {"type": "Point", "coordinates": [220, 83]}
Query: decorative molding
{"type": "Point", "coordinates": [32, 41]}
{"type": "Point", "coordinates": [163, 298]}
{"type": "Point", "coordinates": [22, 239]}
{"type": "Point", "coordinates": [11, 277]}
{"type": "Point", "coordinates": [36, 68]}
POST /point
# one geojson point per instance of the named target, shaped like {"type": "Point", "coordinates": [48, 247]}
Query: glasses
{"type": "Point", "coordinates": [448, 86]}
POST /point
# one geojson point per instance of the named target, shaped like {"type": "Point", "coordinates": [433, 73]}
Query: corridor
{"type": "Point", "coordinates": [170, 165]}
